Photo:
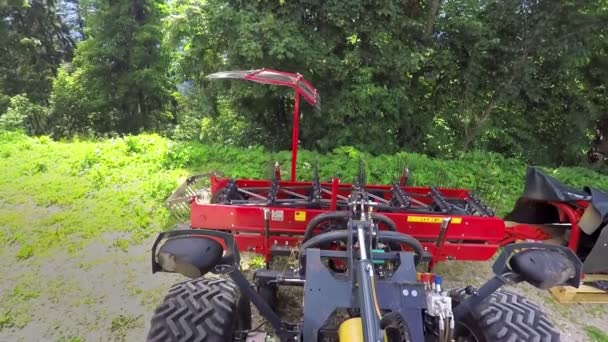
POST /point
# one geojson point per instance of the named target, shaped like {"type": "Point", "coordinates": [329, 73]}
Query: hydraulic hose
{"type": "Point", "coordinates": [387, 221]}
{"type": "Point", "coordinates": [383, 236]}
{"type": "Point", "coordinates": [335, 215]}
{"type": "Point", "coordinates": [375, 298]}
{"type": "Point", "coordinates": [343, 215]}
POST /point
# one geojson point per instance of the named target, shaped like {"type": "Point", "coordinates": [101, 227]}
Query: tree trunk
{"type": "Point", "coordinates": [599, 146]}
{"type": "Point", "coordinates": [430, 22]}
{"type": "Point", "coordinates": [476, 125]}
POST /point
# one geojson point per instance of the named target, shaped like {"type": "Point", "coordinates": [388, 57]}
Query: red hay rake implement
{"type": "Point", "coordinates": [271, 217]}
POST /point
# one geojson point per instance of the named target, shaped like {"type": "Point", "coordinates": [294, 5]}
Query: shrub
{"type": "Point", "coordinates": [23, 115]}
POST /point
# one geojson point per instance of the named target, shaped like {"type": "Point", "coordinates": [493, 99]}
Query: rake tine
{"type": "Point", "coordinates": [440, 179]}
{"type": "Point", "coordinates": [269, 169]}
{"type": "Point", "coordinates": [404, 176]}
{"type": "Point", "coordinates": [489, 196]}
{"type": "Point", "coordinates": [361, 176]}
{"type": "Point", "coordinates": [496, 206]}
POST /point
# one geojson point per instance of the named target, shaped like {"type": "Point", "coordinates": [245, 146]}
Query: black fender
{"type": "Point", "coordinates": [194, 252]}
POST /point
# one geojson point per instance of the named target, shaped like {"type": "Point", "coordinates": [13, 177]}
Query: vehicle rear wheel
{"type": "Point", "coordinates": [503, 316]}
{"type": "Point", "coordinates": [209, 310]}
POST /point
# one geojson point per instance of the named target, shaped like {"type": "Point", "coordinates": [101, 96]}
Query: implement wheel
{"type": "Point", "coordinates": [209, 310]}
{"type": "Point", "coordinates": [504, 316]}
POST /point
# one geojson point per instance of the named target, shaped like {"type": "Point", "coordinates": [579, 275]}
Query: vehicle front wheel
{"type": "Point", "coordinates": [209, 310]}
{"type": "Point", "coordinates": [503, 316]}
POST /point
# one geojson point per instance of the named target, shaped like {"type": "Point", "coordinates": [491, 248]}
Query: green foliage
{"type": "Point", "coordinates": [121, 244]}
{"type": "Point", "coordinates": [117, 81]}
{"type": "Point", "coordinates": [23, 115]}
{"type": "Point", "coordinates": [596, 334]}
{"type": "Point", "coordinates": [15, 312]}
{"type": "Point", "coordinates": [225, 128]}
{"type": "Point", "coordinates": [33, 42]}
{"type": "Point", "coordinates": [525, 79]}
{"type": "Point", "coordinates": [197, 120]}
{"type": "Point", "coordinates": [256, 262]}
{"type": "Point", "coordinates": [68, 193]}
{"type": "Point", "coordinates": [498, 179]}
{"type": "Point", "coordinates": [444, 77]}
{"type": "Point", "coordinates": [71, 339]}
{"type": "Point", "coordinates": [353, 63]}
{"type": "Point", "coordinates": [73, 108]}
{"type": "Point", "coordinates": [13, 119]}
{"type": "Point", "coordinates": [518, 70]}
{"type": "Point", "coordinates": [189, 113]}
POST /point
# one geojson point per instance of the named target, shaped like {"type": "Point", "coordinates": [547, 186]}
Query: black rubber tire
{"type": "Point", "coordinates": [209, 310]}
{"type": "Point", "coordinates": [504, 316]}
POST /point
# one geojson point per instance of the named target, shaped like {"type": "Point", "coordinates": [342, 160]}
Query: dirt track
{"type": "Point", "coordinates": [106, 294]}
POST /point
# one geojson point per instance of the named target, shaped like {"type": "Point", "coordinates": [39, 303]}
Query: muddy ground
{"type": "Point", "coordinates": [105, 293]}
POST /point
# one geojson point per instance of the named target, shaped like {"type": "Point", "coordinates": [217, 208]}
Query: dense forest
{"type": "Point", "coordinates": [523, 78]}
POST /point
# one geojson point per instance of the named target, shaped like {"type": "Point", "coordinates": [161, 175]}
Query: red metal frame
{"type": "Point", "coordinates": [523, 232]}
{"type": "Point", "coordinates": [468, 237]}
{"type": "Point", "coordinates": [571, 214]}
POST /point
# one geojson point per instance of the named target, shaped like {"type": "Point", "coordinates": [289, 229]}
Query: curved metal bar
{"type": "Point", "coordinates": [383, 236]}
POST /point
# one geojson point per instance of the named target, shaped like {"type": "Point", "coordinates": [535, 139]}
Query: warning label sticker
{"type": "Point", "coordinates": [277, 215]}
{"type": "Point", "coordinates": [300, 216]}
{"type": "Point", "coordinates": [432, 219]}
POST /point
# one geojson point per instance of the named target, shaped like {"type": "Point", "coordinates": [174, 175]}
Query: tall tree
{"type": "Point", "coordinates": [33, 43]}
{"type": "Point", "coordinates": [595, 76]}
{"type": "Point", "coordinates": [117, 81]}
{"type": "Point", "coordinates": [360, 55]}
{"type": "Point", "coordinates": [516, 78]}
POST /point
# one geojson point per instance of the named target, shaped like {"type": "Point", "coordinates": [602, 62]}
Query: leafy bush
{"type": "Point", "coordinates": [225, 128]}
{"type": "Point", "coordinates": [191, 108]}
{"type": "Point", "coordinates": [498, 180]}
{"type": "Point", "coordinates": [4, 102]}
{"type": "Point", "coordinates": [23, 115]}
{"type": "Point", "coordinates": [72, 107]}
{"type": "Point", "coordinates": [210, 124]}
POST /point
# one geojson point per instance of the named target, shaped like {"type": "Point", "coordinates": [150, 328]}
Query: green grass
{"type": "Point", "coordinates": [121, 325]}
{"type": "Point", "coordinates": [15, 311]}
{"type": "Point", "coordinates": [596, 335]}
{"type": "Point", "coordinates": [63, 194]}
{"type": "Point", "coordinates": [256, 262]}
{"type": "Point", "coordinates": [71, 339]}
{"type": "Point", "coordinates": [20, 302]}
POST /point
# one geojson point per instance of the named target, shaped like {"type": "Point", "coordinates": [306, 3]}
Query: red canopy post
{"type": "Point", "coordinates": [294, 134]}
{"type": "Point", "coordinates": [300, 86]}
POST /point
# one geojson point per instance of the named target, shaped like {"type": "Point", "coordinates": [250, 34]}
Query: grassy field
{"type": "Point", "coordinates": [77, 218]}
